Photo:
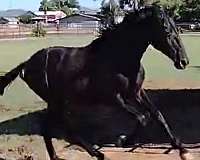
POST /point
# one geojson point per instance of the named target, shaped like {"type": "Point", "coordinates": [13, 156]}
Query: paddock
{"type": "Point", "coordinates": [177, 95]}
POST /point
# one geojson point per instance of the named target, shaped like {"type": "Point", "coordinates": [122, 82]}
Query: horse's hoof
{"type": "Point", "coordinates": [134, 148]}
{"type": "Point", "coordinates": [167, 151]}
{"type": "Point", "coordinates": [57, 158]}
{"type": "Point", "coordinates": [60, 159]}
{"type": "Point", "coordinates": [131, 150]}
{"type": "Point", "coordinates": [186, 156]}
{"type": "Point", "coordinates": [121, 141]}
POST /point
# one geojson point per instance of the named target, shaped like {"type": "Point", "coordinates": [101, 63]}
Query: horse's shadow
{"type": "Point", "coordinates": [180, 107]}
{"type": "Point", "coordinates": [28, 124]}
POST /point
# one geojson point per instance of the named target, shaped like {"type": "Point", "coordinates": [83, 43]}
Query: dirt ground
{"type": "Point", "coordinates": [179, 101]}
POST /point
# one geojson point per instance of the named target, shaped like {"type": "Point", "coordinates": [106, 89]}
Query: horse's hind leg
{"type": "Point", "coordinates": [90, 149]}
{"type": "Point", "coordinates": [47, 135]}
{"type": "Point", "coordinates": [54, 117]}
{"type": "Point", "coordinates": [76, 139]}
{"type": "Point", "coordinates": [50, 148]}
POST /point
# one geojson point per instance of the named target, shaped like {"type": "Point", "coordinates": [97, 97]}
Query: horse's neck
{"type": "Point", "coordinates": [123, 47]}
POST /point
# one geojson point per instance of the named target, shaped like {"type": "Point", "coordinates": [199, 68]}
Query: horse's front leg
{"type": "Point", "coordinates": [136, 93]}
{"type": "Point", "coordinates": [140, 117]}
{"type": "Point", "coordinates": [144, 100]}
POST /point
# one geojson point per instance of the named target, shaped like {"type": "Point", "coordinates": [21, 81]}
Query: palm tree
{"type": "Point", "coordinates": [44, 6]}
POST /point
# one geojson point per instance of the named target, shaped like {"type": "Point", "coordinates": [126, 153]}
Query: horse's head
{"type": "Point", "coordinates": [150, 25]}
{"type": "Point", "coordinates": [165, 37]}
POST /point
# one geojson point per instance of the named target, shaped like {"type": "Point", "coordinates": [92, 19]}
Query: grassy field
{"type": "Point", "coordinates": [160, 71]}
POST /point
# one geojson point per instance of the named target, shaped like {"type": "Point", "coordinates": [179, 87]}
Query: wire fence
{"type": "Point", "coordinates": [26, 30]}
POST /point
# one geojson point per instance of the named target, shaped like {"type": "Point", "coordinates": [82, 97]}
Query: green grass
{"type": "Point", "coordinates": [157, 66]}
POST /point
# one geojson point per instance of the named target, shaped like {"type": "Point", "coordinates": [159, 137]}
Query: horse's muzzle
{"type": "Point", "coordinates": [181, 64]}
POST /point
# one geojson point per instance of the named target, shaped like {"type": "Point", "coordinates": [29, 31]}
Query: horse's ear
{"type": "Point", "coordinates": [145, 13]}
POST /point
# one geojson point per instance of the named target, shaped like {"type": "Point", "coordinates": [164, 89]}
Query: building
{"type": "Point", "coordinates": [13, 16]}
{"type": "Point", "coordinates": [80, 20]}
{"type": "Point", "coordinates": [3, 20]}
{"type": "Point", "coordinates": [50, 16]}
{"type": "Point", "coordinates": [9, 20]}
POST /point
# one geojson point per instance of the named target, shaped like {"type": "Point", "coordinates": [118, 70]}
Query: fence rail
{"type": "Point", "coordinates": [25, 30]}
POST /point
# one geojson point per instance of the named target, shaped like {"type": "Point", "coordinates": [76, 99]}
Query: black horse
{"type": "Point", "coordinates": [108, 70]}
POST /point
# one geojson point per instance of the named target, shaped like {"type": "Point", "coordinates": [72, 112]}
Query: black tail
{"type": "Point", "coordinates": [9, 77]}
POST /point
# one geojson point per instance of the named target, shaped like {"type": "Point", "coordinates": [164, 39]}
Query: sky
{"type": "Point", "coordinates": [34, 4]}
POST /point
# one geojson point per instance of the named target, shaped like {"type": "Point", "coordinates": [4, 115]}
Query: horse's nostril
{"type": "Point", "coordinates": [184, 62]}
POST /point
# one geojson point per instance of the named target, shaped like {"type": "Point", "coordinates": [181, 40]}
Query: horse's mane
{"type": "Point", "coordinates": [111, 30]}
{"type": "Point", "coordinates": [133, 18]}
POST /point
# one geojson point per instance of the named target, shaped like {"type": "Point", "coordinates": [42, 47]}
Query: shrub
{"type": "Point", "coordinates": [38, 31]}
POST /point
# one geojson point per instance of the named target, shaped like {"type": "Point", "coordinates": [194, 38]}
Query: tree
{"type": "Point", "coordinates": [68, 11]}
{"type": "Point", "coordinates": [185, 10]}
{"type": "Point", "coordinates": [45, 5]}
{"type": "Point", "coordinates": [25, 19]}
{"type": "Point", "coordinates": [110, 9]}
{"type": "Point", "coordinates": [71, 3]}
{"type": "Point", "coordinates": [132, 4]}
{"type": "Point", "coordinates": [172, 6]}
{"type": "Point", "coordinates": [190, 10]}
{"type": "Point", "coordinates": [63, 5]}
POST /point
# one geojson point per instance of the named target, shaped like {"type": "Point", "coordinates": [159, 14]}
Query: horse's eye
{"type": "Point", "coordinates": [168, 33]}
{"type": "Point", "coordinates": [165, 26]}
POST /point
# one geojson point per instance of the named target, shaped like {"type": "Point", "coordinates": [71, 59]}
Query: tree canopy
{"type": "Point", "coordinates": [184, 10]}
{"type": "Point", "coordinates": [63, 5]}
